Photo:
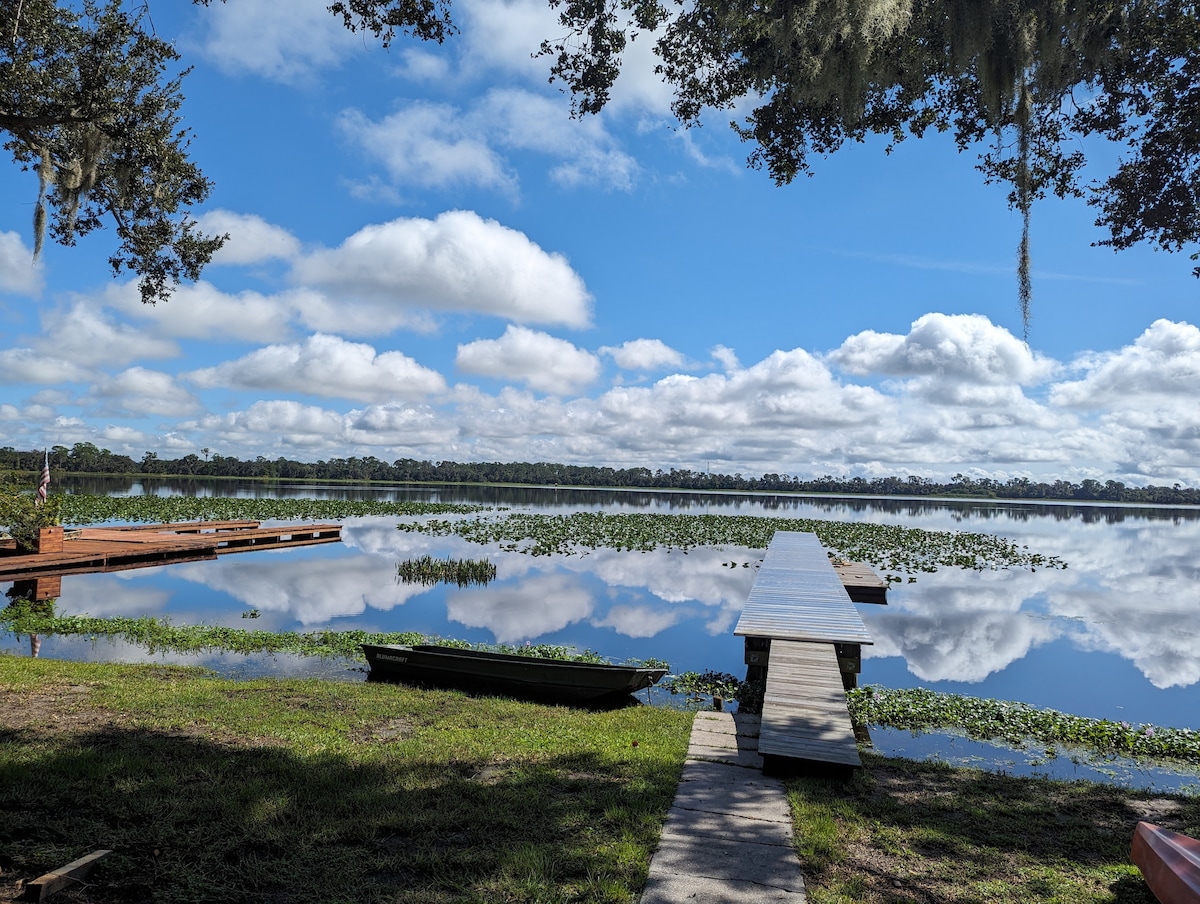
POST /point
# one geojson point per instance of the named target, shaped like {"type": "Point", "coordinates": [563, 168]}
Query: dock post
{"type": "Point", "coordinates": [50, 539]}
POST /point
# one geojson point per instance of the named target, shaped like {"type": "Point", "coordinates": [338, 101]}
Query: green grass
{"type": "Point", "coordinates": [903, 831]}
{"type": "Point", "coordinates": [295, 790]}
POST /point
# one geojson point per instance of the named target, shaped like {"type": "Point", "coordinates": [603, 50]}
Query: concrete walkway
{"type": "Point", "coordinates": [728, 835]}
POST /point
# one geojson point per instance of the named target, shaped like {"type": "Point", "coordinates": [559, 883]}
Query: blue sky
{"type": "Point", "coordinates": [430, 259]}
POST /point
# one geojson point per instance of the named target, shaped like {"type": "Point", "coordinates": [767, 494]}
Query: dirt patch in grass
{"type": "Point", "coordinates": [52, 707]}
{"type": "Point", "coordinates": [385, 731]}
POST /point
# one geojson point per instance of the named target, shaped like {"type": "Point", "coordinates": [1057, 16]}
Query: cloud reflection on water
{"type": "Point", "coordinates": [525, 611]}
{"type": "Point", "coordinates": [1130, 589]}
{"type": "Point", "coordinates": [313, 591]}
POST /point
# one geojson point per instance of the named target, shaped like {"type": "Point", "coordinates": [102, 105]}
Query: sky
{"type": "Point", "coordinates": [430, 259]}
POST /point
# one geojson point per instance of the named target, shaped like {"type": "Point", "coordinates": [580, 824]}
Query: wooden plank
{"type": "Point", "coordinates": [862, 584]}
{"type": "Point", "coordinates": [117, 535]}
{"type": "Point", "coordinates": [798, 596]}
{"type": "Point", "coordinates": [307, 533]}
{"type": "Point", "coordinates": [117, 548]}
{"type": "Point", "coordinates": [191, 526]}
{"type": "Point", "coordinates": [294, 530]}
{"type": "Point", "coordinates": [278, 544]}
{"type": "Point", "coordinates": [804, 713]}
{"type": "Point", "coordinates": [75, 871]}
{"type": "Point", "coordinates": [122, 563]}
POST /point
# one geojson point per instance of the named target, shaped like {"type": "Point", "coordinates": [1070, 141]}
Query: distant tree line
{"type": "Point", "coordinates": [86, 458]}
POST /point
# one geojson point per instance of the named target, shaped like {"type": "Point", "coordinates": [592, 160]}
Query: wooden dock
{"type": "Point", "coordinates": [804, 713]}
{"type": "Point", "coordinates": [103, 549]}
{"type": "Point", "coordinates": [861, 583]}
{"type": "Point", "coordinates": [804, 638]}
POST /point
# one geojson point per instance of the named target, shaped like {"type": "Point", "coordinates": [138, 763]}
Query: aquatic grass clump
{"type": "Point", "coordinates": [903, 550]}
{"type": "Point", "coordinates": [920, 709]}
{"type": "Point", "coordinates": [429, 571]}
{"type": "Point", "coordinates": [87, 509]}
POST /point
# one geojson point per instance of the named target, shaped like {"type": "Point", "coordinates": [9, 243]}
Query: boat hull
{"type": "Point", "coordinates": [1170, 863]}
{"type": "Point", "coordinates": [525, 676]}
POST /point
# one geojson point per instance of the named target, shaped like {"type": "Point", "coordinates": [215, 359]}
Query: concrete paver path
{"type": "Point", "coordinates": [728, 835]}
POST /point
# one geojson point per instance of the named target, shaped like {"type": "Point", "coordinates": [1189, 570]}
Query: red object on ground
{"type": "Point", "coordinates": [1170, 863]}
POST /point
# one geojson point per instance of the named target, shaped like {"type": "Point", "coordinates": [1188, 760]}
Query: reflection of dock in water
{"type": "Point", "coordinates": [804, 641]}
{"type": "Point", "coordinates": [101, 549]}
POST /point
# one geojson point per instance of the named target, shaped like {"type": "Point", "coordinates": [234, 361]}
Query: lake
{"type": "Point", "coordinates": [1115, 635]}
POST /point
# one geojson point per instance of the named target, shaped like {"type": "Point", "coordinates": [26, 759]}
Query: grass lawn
{"type": "Point", "coordinates": [297, 790]}
{"type": "Point", "coordinates": [904, 831]}
{"type": "Point", "coordinates": [278, 790]}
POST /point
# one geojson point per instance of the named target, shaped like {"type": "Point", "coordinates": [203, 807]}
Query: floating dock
{"type": "Point", "coordinates": [804, 638]}
{"type": "Point", "coordinates": [97, 549]}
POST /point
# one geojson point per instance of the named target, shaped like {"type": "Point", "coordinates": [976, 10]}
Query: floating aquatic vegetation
{"type": "Point", "coordinates": [920, 709]}
{"type": "Point", "coordinates": [159, 635]}
{"type": "Point", "coordinates": [903, 550]}
{"type": "Point", "coordinates": [87, 509]}
{"type": "Point", "coordinates": [429, 571]}
{"type": "Point", "coordinates": [708, 683]}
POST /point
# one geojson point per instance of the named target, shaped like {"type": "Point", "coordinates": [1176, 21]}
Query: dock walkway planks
{"type": "Point", "coordinates": [798, 596]}
{"type": "Point", "coordinates": [799, 605]}
{"type": "Point", "coordinates": [804, 713]}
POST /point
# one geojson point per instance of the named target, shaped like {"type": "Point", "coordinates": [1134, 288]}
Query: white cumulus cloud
{"type": "Point", "coordinates": [86, 336]}
{"type": "Point", "coordinates": [139, 390]}
{"type": "Point", "coordinates": [25, 365]}
{"type": "Point", "coordinates": [251, 238]}
{"type": "Point", "coordinates": [19, 273]}
{"type": "Point", "coordinates": [540, 361]}
{"type": "Point", "coordinates": [457, 262]}
{"type": "Point", "coordinates": [278, 43]}
{"type": "Point", "coordinates": [953, 347]}
{"type": "Point", "coordinates": [429, 144]}
{"type": "Point", "coordinates": [643, 355]}
{"type": "Point", "coordinates": [1163, 362]}
{"type": "Point", "coordinates": [435, 145]}
{"type": "Point", "coordinates": [293, 423]}
{"type": "Point", "coordinates": [202, 311]}
{"type": "Point", "coordinates": [326, 366]}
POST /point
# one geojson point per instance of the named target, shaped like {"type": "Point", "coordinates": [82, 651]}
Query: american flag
{"type": "Point", "coordinates": [45, 482]}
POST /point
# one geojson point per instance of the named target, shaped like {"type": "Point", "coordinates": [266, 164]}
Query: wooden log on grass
{"type": "Point", "coordinates": [75, 871]}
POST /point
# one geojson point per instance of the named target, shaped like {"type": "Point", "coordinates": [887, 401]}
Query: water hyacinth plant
{"type": "Point", "coordinates": [159, 635]}
{"type": "Point", "coordinates": [697, 685]}
{"type": "Point", "coordinates": [87, 509]}
{"type": "Point", "coordinates": [920, 709]}
{"type": "Point", "coordinates": [903, 550]}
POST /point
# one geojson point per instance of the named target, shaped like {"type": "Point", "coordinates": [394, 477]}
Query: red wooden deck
{"type": "Point", "coordinates": [92, 549]}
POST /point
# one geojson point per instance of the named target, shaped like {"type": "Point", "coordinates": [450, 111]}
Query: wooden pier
{"type": "Point", "coordinates": [102, 549]}
{"type": "Point", "coordinates": [804, 638]}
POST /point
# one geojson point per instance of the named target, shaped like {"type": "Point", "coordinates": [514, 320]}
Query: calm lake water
{"type": "Point", "coordinates": [1116, 635]}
